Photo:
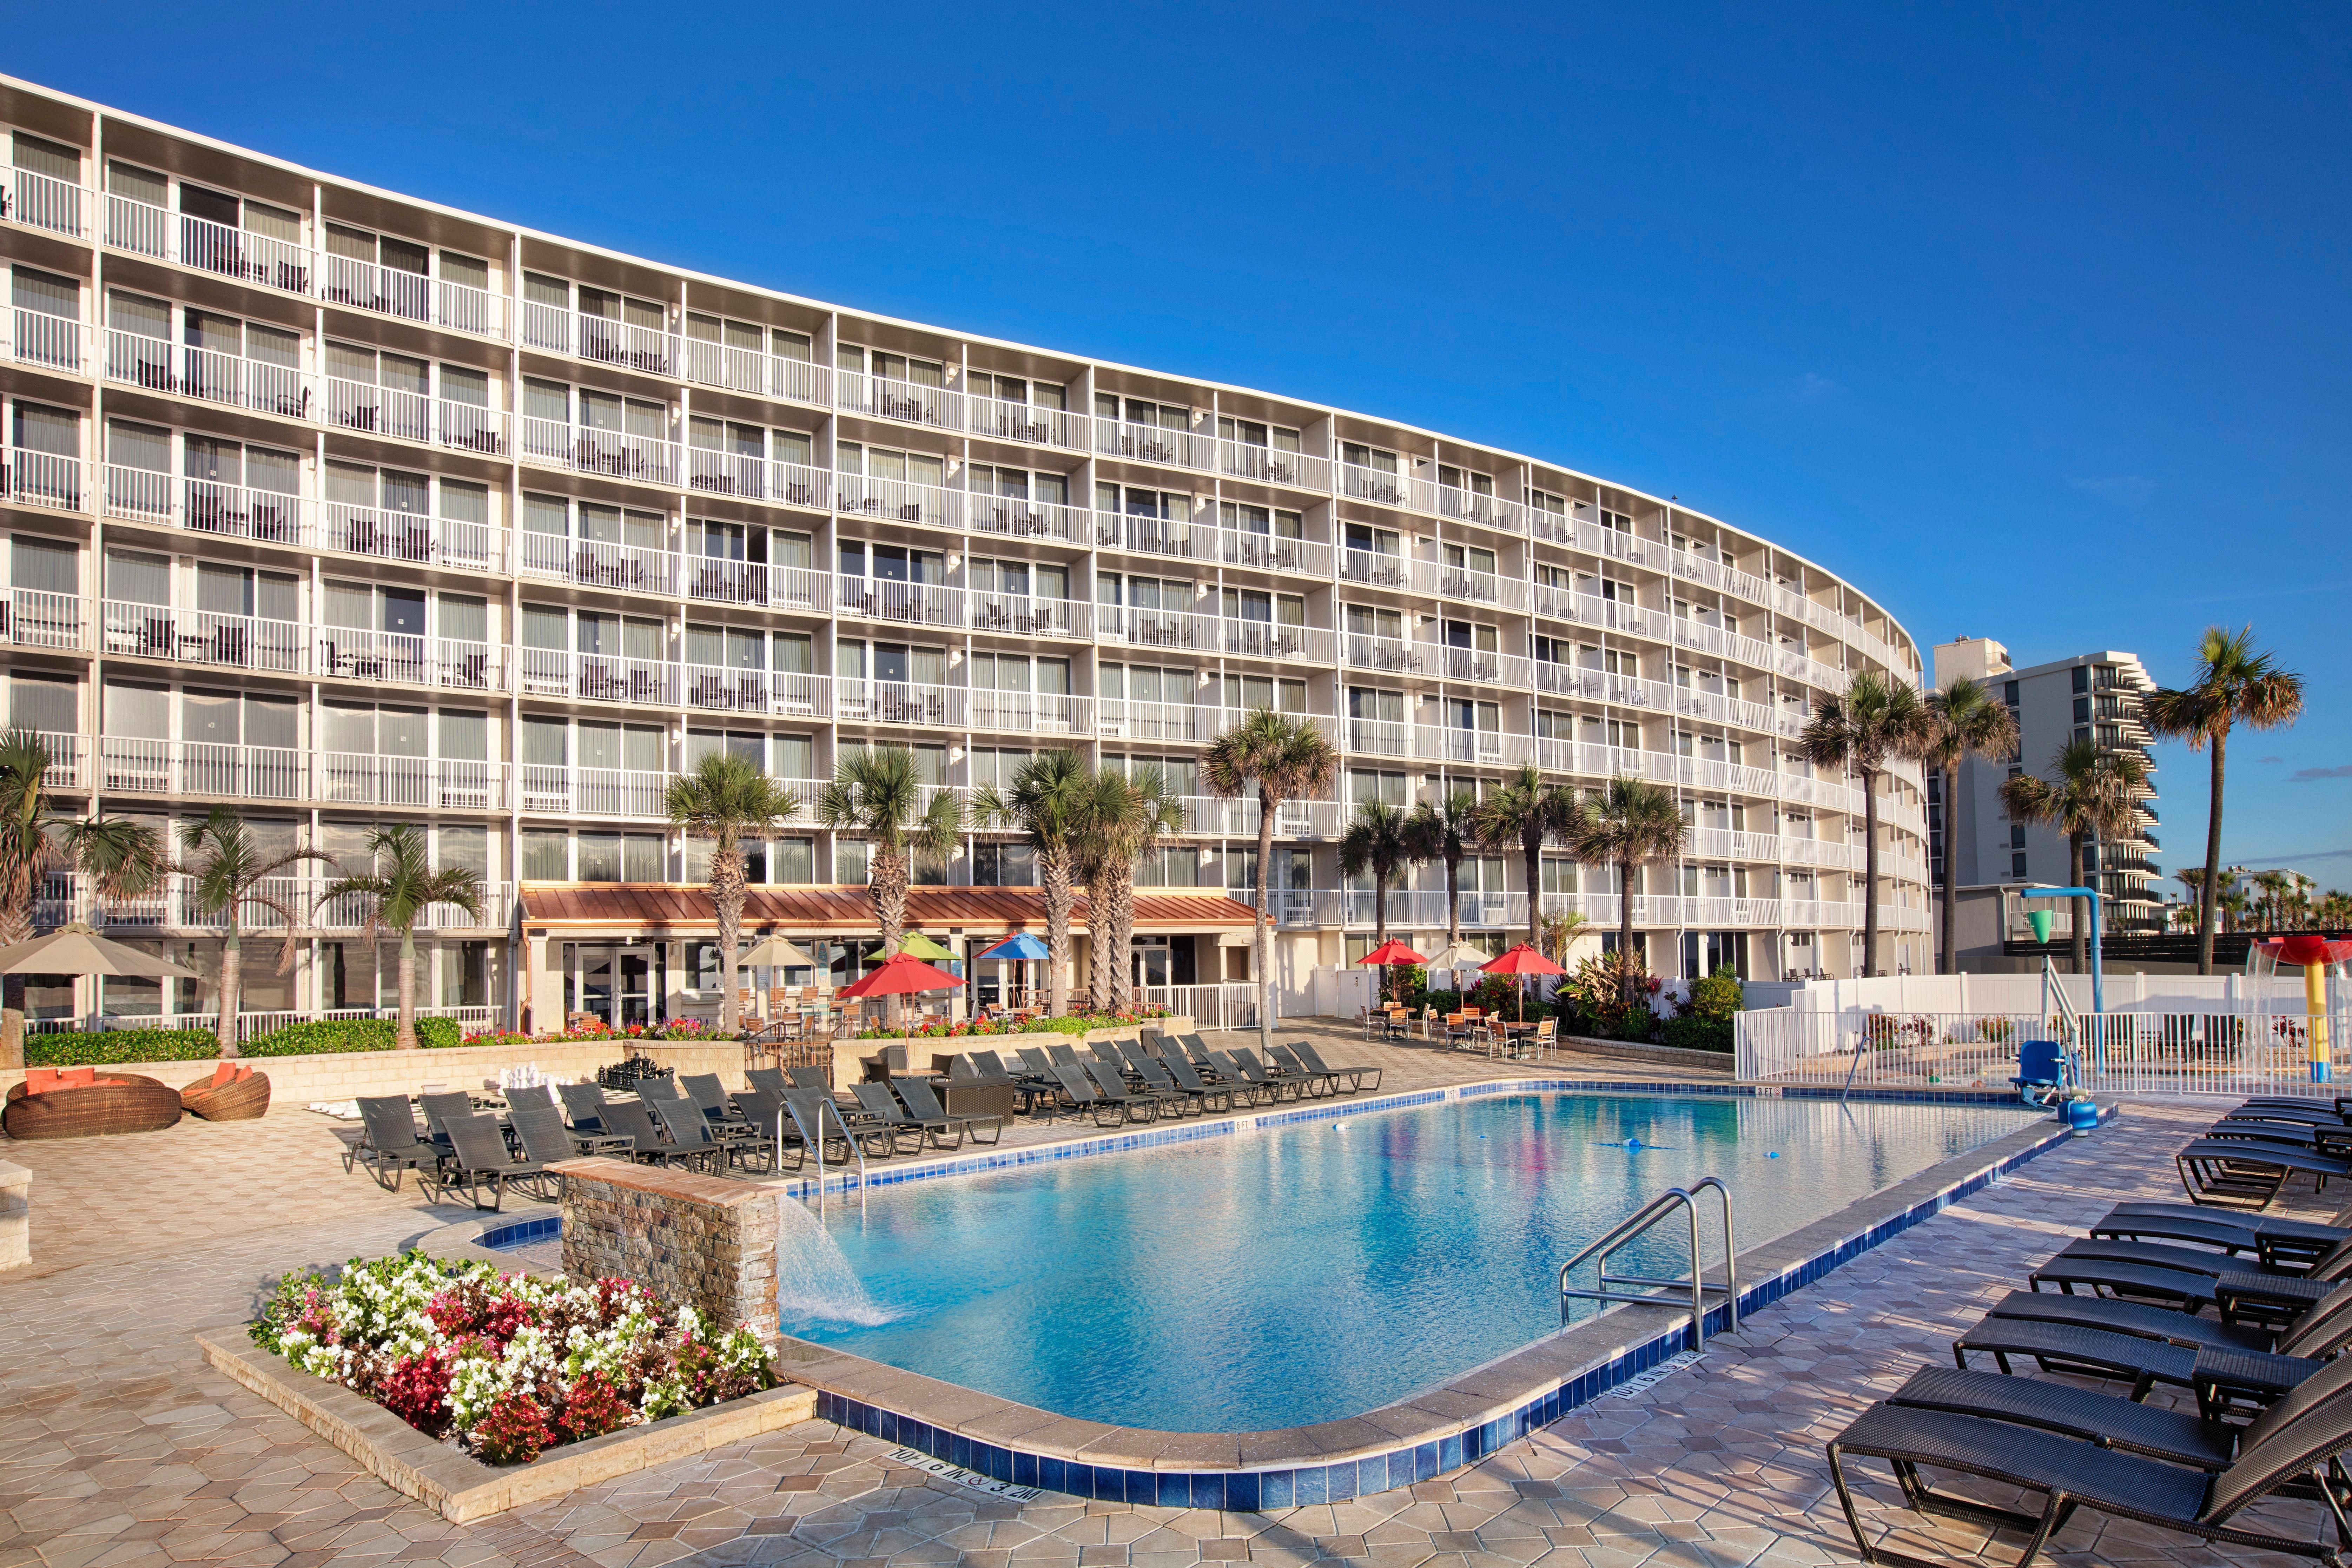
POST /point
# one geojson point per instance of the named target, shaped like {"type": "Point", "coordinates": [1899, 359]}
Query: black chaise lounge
{"type": "Point", "coordinates": [391, 1144]}
{"type": "Point", "coordinates": [882, 1107]}
{"type": "Point", "coordinates": [1287, 1060]}
{"type": "Point", "coordinates": [2295, 1444]}
{"type": "Point", "coordinates": [1082, 1094]}
{"type": "Point", "coordinates": [480, 1155]}
{"type": "Point", "coordinates": [923, 1104]}
{"type": "Point", "coordinates": [1306, 1052]}
{"type": "Point", "coordinates": [2234, 1172]}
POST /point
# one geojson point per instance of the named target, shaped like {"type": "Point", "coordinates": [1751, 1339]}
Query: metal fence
{"type": "Point", "coordinates": [1209, 1006]}
{"type": "Point", "coordinates": [252, 1025]}
{"type": "Point", "coordinates": [2153, 1053]}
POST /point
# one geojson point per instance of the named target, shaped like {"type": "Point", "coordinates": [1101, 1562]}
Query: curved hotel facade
{"type": "Point", "coordinates": [347, 508]}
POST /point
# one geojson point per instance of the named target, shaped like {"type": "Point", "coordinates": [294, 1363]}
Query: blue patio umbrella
{"type": "Point", "coordinates": [1019, 947]}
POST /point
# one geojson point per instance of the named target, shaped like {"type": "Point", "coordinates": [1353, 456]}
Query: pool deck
{"type": "Point", "coordinates": [122, 1448]}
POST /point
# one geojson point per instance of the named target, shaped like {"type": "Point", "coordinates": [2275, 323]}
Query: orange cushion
{"type": "Point", "coordinates": [40, 1080]}
{"type": "Point", "coordinates": [225, 1073]}
{"type": "Point", "coordinates": [77, 1077]}
{"type": "Point", "coordinates": [243, 1074]}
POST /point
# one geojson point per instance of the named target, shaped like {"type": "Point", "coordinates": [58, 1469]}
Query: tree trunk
{"type": "Point", "coordinates": [1869, 872]}
{"type": "Point", "coordinates": [1626, 871]}
{"type": "Point", "coordinates": [888, 893]}
{"type": "Point", "coordinates": [1053, 872]}
{"type": "Point", "coordinates": [727, 903]}
{"type": "Point", "coordinates": [404, 1034]}
{"type": "Point", "coordinates": [1099, 941]}
{"type": "Point", "coordinates": [1122, 940]}
{"type": "Point", "coordinates": [2080, 906]}
{"type": "Point", "coordinates": [1380, 929]}
{"type": "Point", "coordinates": [2212, 862]}
{"type": "Point", "coordinates": [1454, 900]}
{"type": "Point", "coordinates": [231, 966]}
{"type": "Point", "coordinates": [1531, 850]}
{"type": "Point", "coordinates": [1266, 804]}
{"type": "Point", "coordinates": [1950, 964]}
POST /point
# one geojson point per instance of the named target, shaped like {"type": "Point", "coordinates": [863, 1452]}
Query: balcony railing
{"type": "Point", "coordinates": [410, 536]}
{"type": "Point", "coordinates": [593, 792]}
{"type": "Point", "coordinates": [43, 479]}
{"type": "Point", "coordinates": [1479, 667]}
{"type": "Point", "coordinates": [66, 753]}
{"type": "Point", "coordinates": [206, 636]}
{"type": "Point", "coordinates": [899, 702]}
{"type": "Point", "coordinates": [1274, 639]}
{"type": "Point", "coordinates": [1390, 655]}
{"type": "Point", "coordinates": [457, 664]}
{"type": "Point", "coordinates": [899, 501]}
{"type": "Point", "coordinates": [1452, 744]}
{"type": "Point", "coordinates": [36, 618]}
{"type": "Point", "coordinates": [908, 402]}
{"type": "Point", "coordinates": [420, 783]}
{"type": "Point", "coordinates": [733, 691]}
{"type": "Point", "coordinates": [599, 677]}
{"type": "Point", "coordinates": [598, 563]}
{"type": "Point", "coordinates": [714, 472]}
{"type": "Point", "coordinates": [1019, 519]}
{"type": "Point", "coordinates": [1026, 422]}
{"type": "Point", "coordinates": [207, 768]}
{"type": "Point", "coordinates": [1156, 536]}
{"type": "Point", "coordinates": [1272, 465]}
{"type": "Point", "coordinates": [1117, 719]}
{"type": "Point", "coordinates": [1020, 614]}
{"type": "Point", "coordinates": [1485, 588]}
{"type": "Point", "coordinates": [1151, 443]}
{"type": "Point", "coordinates": [459, 307]}
{"type": "Point", "coordinates": [43, 201]}
{"type": "Point", "coordinates": [1030, 712]}
{"type": "Point", "coordinates": [156, 365]}
{"type": "Point", "coordinates": [249, 258]}
{"type": "Point", "coordinates": [1380, 737]}
{"type": "Point", "coordinates": [207, 506]}
{"type": "Point", "coordinates": [610, 454]}
{"type": "Point", "coordinates": [1373, 485]}
{"type": "Point", "coordinates": [749, 370]}
{"type": "Point", "coordinates": [1400, 572]}
{"type": "Point", "coordinates": [1271, 552]}
{"type": "Point", "coordinates": [1167, 629]}
{"type": "Point", "coordinates": [719, 581]}
{"type": "Point", "coordinates": [910, 604]}
{"type": "Point", "coordinates": [1487, 511]}
{"type": "Point", "coordinates": [412, 417]}
{"type": "Point", "coordinates": [38, 337]}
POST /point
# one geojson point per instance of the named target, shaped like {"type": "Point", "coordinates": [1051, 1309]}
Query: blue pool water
{"type": "Point", "coordinates": [1312, 1272]}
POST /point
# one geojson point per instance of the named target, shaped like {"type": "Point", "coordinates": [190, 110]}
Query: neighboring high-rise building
{"type": "Point", "coordinates": [347, 508]}
{"type": "Point", "coordinates": [2093, 696]}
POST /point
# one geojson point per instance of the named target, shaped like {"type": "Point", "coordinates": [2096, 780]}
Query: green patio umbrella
{"type": "Point", "coordinates": [923, 947]}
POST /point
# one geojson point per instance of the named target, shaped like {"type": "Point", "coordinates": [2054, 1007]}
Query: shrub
{"type": "Point", "coordinates": [1692, 1032]}
{"type": "Point", "coordinates": [1718, 997]}
{"type": "Point", "coordinates": [109, 1048]}
{"type": "Point", "coordinates": [330, 1035]}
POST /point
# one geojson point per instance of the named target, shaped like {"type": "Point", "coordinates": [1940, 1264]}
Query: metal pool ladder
{"type": "Point", "coordinates": [1651, 1215]}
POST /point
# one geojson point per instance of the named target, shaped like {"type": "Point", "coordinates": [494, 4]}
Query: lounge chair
{"type": "Point", "coordinates": [1306, 1052]}
{"type": "Point", "coordinates": [439, 1109]}
{"type": "Point", "coordinates": [2299, 1442]}
{"type": "Point", "coordinates": [767, 1114]}
{"type": "Point", "coordinates": [391, 1144]}
{"type": "Point", "coordinates": [2233, 1173]}
{"type": "Point", "coordinates": [814, 1113]}
{"type": "Point", "coordinates": [585, 1103]}
{"type": "Point", "coordinates": [711, 1095]}
{"type": "Point", "coordinates": [1234, 1065]}
{"type": "Point", "coordinates": [1083, 1096]}
{"type": "Point", "coordinates": [1287, 1062]}
{"type": "Point", "coordinates": [2274, 1242]}
{"type": "Point", "coordinates": [635, 1121]}
{"type": "Point", "coordinates": [922, 1102]}
{"type": "Point", "coordinates": [1063, 1055]}
{"type": "Point", "coordinates": [1187, 1077]}
{"type": "Point", "coordinates": [1113, 1087]}
{"type": "Point", "coordinates": [808, 1078]}
{"type": "Point", "coordinates": [545, 1139]}
{"type": "Point", "coordinates": [884, 1108]}
{"type": "Point", "coordinates": [689, 1130]}
{"type": "Point", "coordinates": [530, 1094]}
{"type": "Point", "coordinates": [768, 1081]}
{"type": "Point", "coordinates": [2083, 1413]}
{"type": "Point", "coordinates": [480, 1154]}
{"type": "Point", "coordinates": [1159, 1080]}
{"type": "Point", "coordinates": [2187, 1285]}
{"type": "Point", "coordinates": [2143, 1318]}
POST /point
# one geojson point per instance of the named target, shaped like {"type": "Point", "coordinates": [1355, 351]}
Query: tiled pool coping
{"type": "Point", "coordinates": [1414, 1439]}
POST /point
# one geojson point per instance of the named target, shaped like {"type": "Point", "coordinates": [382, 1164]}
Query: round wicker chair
{"type": "Point", "coordinates": [243, 1100]}
{"type": "Point", "coordinates": [117, 1102]}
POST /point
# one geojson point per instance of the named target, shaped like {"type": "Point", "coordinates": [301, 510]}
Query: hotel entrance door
{"type": "Point", "coordinates": [614, 983]}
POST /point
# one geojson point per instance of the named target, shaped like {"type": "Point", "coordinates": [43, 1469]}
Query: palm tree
{"type": "Point", "coordinates": [232, 874]}
{"type": "Point", "coordinates": [1963, 721]}
{"type": "Point", "coordinates": [876, 795]}
{"type": "Point", "coordinates": [122, 858]}
{"type": "Point", "coordinates": [2234, 684]}
{"type": "Point", "coordinates": [726, 799]}
{"type": "Point", "coordinates": [400, 891]}
{"type": "Point", "coordinates": [1876, 719]}
{"type": "Point", "coordinates": [1284, 759]}
{"type": "Point", "coordinates": [1441, 830]}
{"type": "Point", "coordinates": [2093, 792]}
{"type": "Point", "coordinates": [1560, 933]}
{"type": "Point", "coordinates": [1047, 800]}
{"type": "Point", "coordinates": [1527, 811]}
{"type": "Point", "coordinates": [1379, 839]}
{"type": "Point", "coordinates": [1630, 821]}
{"type": "Point", "coordinates": [1131, 821]}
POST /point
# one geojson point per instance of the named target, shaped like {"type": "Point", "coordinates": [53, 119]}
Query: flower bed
{"type": "Point", "coordinates": [681, 1030]}
{"type": "Point", "coordinates": [1067, 1025]}
{"type": "Point", "coordinates": [505, 1366]}
{"type": "Point", "coordinates": [109, 1048]}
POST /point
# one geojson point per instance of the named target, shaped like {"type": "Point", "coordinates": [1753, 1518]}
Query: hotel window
{"type": "Point", "coordinates": [1553, 650]}
{"type": "Point", "coordinates": [1454, 478]}
{"type": "Point", "coordinates": [1014, 389]}
{"type": "Point", "coordinates": [1276, 609]}
{"type": "Point", "coordinates": [632, 748]}
{"type": "Point", "coordinates": [599, 856]}
{"type": "Point", "coordinates": [1475, 637]}
{"type": "Point", "coordinates": [1142, 411]}
{"type": "Point", "coordinates": [224, 590]}
{"type": "Point", "coordinates": [1174, 866]}
{"type": "Point", "coordinates": [43, 705]}
{"type": "Point", "coordinates": [888, 464]}
{"type": "Point", "coordinates": [1250, 433]}
{"type": "Point", "coordinates": [1553, 725]}
{"type": "Point", "coordinates": [1369, 621]}
{"type": "Point", "coordinates": [1548, 503]}
{"type": "Point", "coordinates": [381, 250]}
{"type": "Point", "coordinates": [1558, 875]}
{"type": "Point", "coordinates": [995, 864]}
{"type": "Point", "coordinates": [1622, 734]}
{"type": "Point", "coordinates": [645, 858]}
{"type": "Point", "coordinates": [1146, 683]}
{"type": "Point", "coordinates": [1133, 500]}
{"type": "Point", "coordinates": [601, 304]}
{"type": "Point", "coordinates": [1250, 693]}
{"type": "Point", "coordinates": [1364, 539]}
{"type": "Point", "coordinates": [1261, 520]}
{"type": "Point", "coordinates": [1180, 776]}
{"type": "Point", "coordinates": [1019, 579]}
{"type": "Point", "coordinates": [792, 861]}
{"type": "Point", "coordinates": [1373, 705]}
{"type": "Point", "coordinates": [891, 662]}
{"type": "Point", "coordinates": [1355, 454]}
{"type": "Point", "coordinates": [43, 156]}
{"type": "Point", "coordinates": [1018, 484]}
{"type": "Point", "coordinates": [546, 855]}
{"type": "Point", "coordinates": [1144, 592]}
{"type": "Point", "coordinates": [890, 366]}
{"type": "Point", "coordinates": [993, 767]}
{"type": "Point", "coordinates": [1485, 718]}
{"type": "Point", "coordinates": [238, 212]}
{"type": "Point", "coordinates": [1467, 558]}
{"type": "Point", "coordinates": [1617, 521]}
{"type": "Point", "coordinates": [1365, 787]}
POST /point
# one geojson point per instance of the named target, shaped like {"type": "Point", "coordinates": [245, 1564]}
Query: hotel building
{"type": "Point", "coordinates": [347, 508]}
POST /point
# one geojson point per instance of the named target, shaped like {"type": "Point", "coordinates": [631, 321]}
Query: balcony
{"type": "Point", "coordinates": [455, 664]}
{"type": "Point", "coordinates": [65, 759]}
{"type": "Point", "coordinates": [1479, 667]}
{"type": "Point", "coordinates": [1486, 510]}
{"type": "Point", "coordinates": [1239, 818]}
{"type": "Point", "coordinates": [43, 480]}
{"type": "Point", "coordinates": [164, 235]}
{"type": "Point", "coordinates": [717, 581]}
{"type": "Point", "coordinates": [859, 701]}
{"type": "Point", "coordinates": [609, 454]}
{"type": "Point", "coordinates": [760, 374]}
{"type": "Point", "coordinates": [598, 563]}
{"type": "Point", "coordinates": [717, 473]}
{"type": "Point", "coordinates": [599, 677]}
{"type": "Point", "coordinates": [1452, 744]}
{"type": "Point", "coordinates": [66, 896]}
{"type": "Point", "coordinates": [207, 506]}
{"type": "Point", "coordinates": [412, 417]}
{"type": "Point", "coordinates": [1151, 443]}
{"type": "Point", "coordinates": [558, 791]}
{"type": "Point", "coordinates": [1274, 639]}
{"type": "Point", "coordinates": [1165, 629]}
{"type": "Point", "coordinates": [1117, 719]}
{"type": "Point", "coordinates": [1379, 738]}
{"type": "Point", "coordinates": [905, 401]}
{"type": "Point", "coordinates": [1030, 712]}
{"type": "Point", "coordinates": [1273, 466]}
{"type": "Point", "coordinates": [791, 693]}
{"type": "Point", "coordinates": [1375, 485]}
{"type": "Point", "coordinates": [897, 500]}
{"type": "Point", "coordinates": [411, 537]}
{"type": "Point", "coordinates": [1025, 423]}
{"type": "Point", "coordinates": [1020, 614]}
{"type": "Point", "coordinates": [1389, 656]}
{"type": "Point", "coordinates": [1272, 553]}
{"type": "Point", "coordinates": [49, 342]}
{"type": "Point", "coordinates": [204, 637]}
{"type": "Point", "coordinates": [418, 782]}
{"type": "Point", "coordinates": [203, 768]}
{"type": "Point", "coordinates": [605, 340]}
{"type": "Point", "coordinates": [1016, 517]}
{"type": "Point", "coordinates": [1488, 589]}
{"type": "Point", "coordinates": [44, 202]}
{"type": "Point", "coordinates": [387, 292]}
{"type": "Point", "coordinates": [901, 603]}
{"type": "Point", "coordinates": [1156, 536]}
{"type": "Point", "coordinates": [30, 617]}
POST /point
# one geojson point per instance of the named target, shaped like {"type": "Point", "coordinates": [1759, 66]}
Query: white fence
{"type": "Point", "coordinates": [2223, 1050]}
{"type": "Point", "coordinates": [1209, 1006]}
{"type": "Point", "coordinates": [252, 1025]}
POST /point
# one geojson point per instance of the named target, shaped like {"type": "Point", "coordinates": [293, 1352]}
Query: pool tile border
{"type": "Point", "coordinates": [1446, 1443]}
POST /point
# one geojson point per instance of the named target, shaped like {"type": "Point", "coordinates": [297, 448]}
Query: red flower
{"type": "Point", "coordinates": [591, 1407]}
{"type": "Point", "coordinates": [515, 1431]}
{"type": "Point", "coordinates": [417, 1389]}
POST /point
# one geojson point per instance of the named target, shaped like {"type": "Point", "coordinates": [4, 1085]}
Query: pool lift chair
{"type": "Point", "coordinates": [2043, 1073]}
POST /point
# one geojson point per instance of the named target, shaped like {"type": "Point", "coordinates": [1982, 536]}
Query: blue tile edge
{"type": "Point", "coordinates": [521, 1232]}
{"type": "Point", "coordinates": [1294, 1485]}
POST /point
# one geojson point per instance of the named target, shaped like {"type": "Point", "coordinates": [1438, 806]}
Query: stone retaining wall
{"type": "Point", "coordinates": [703, 1239]}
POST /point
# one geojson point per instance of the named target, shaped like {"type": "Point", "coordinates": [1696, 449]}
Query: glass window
{"type": "Point", "coordinates": [600, 858]}
{"type": "Point", "coordinates": [852, 862]}
{"type": "Point", "coordinates": [546, 856]}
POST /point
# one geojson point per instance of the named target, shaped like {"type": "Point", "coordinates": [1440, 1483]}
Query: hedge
{"type": "Point", "coordinates": [109, 1047]}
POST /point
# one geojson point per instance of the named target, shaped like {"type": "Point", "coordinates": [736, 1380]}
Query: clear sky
{"type": "Point", "coordinates": [2031, 320]}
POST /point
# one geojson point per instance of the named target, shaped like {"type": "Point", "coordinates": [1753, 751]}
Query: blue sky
{"type": "Point", "coordinates": [2031, 322]}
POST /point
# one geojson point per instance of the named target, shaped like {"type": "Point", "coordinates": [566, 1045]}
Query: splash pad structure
{"type": "Point", "coordinates": [2326, 964]}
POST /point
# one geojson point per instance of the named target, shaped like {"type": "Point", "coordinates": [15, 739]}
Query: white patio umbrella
{"type": "Point", "coordinates": [1461, 955]}
{"type": "Point", "coordinates": [76, 950]}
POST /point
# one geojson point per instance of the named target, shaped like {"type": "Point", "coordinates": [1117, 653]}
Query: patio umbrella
{"type": "Point", "coordinates": [923, 947]}
{"type": "Point", "coordinates": [1522, 959]}
{"type": "Point", "coordinates": [777, 953]}
{"type": "Point", "coordinates": [901, 974]}
{"type": "Point", "coordinates": [1461, 955]}
{"type": "Point", "coordinates": [1018, 947]}
{"type": "Point", "coordinates": [77, 949]}
{"type": "Point", "coordinates": [1389, 954]}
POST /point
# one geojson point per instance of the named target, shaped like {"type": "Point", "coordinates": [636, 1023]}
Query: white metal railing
{"type": "Point", "coordinates": [913, 604]}
{"type": "Point", "coordinates": [612, 453]}
{"type": "Point", "coordinates": [716, 472]}
{"type": "Point", "coordinates": [1157, 536]}
{"type": "Point", "coordinates": [1272, 553]}
{"type": "Point", "coordinates": [1239, 817]}
{"type": "Point", "coordinates": [1151, 443]}
{"type": "Point", "coordinates": [43, 201]}
{"type": "Point", "coordinates": [193, 767]}
{"type": "Point", "coordinates": [175, 905]}
{"type": "Point", "coordinates": [725, 582]}
{"type": "Point", "coordinates": [1166, 629]}
{"type": "Point", "coordinates": [599, 677]}
{"type": "Point", "coordinates": [933, 505]}
{"type": "Point", "coordinates": [598, 563]}
{"type": "Point", "coordinates": [410, 536]}
{"type": "Point", "coordinates": [1209, 1006]}
{"type": "Point", "coordinates": [66, 753]}
{"type": "Point", "coordinates": [1379, 738]}
{"type": "Point", "coordinates": [38, 337]}
{"type": "Point", "coordinates": [207, 506]}
{"type": "Point", "coordinates": [1486, 588]}
{"type": "Point", "coordinates": [204, 637]}
{"type": "Point", "coordinates": [1029, 712]}
{"type": "Point", "coordinates": [387, 290]}
{"type": "Point", "coordinates": [1381, 570]}
{"type": "Point", "coordinates": [724, 689]}
{"type": "Point", "coordinates": [909, 402]}
{"type": "Point", "coordinates": [593, 792]}
{"type": "Point", "coordinates": [1021, 615]}
{"type": "Point", "coordinates": [1022, 519]}
{"type": "Point", "coordinates": [1452, 744]}
{"type": "Point", "coordinates": [1487, 511]}
{"type": "Point", "coordinates": [43, 479]}
{"type": "Point", "coordinates": [426, 782]}
{"type": "Point", "coordinates": [1372, 485]}
{"type": "Point", "coordinates": [754, 370]}
{"type": "Point", "coordinates": [36, 619]}
{"type": "Point", "coordinates": [1274, 639]}
{"type": "Point", "coordinates": [1026, 422]}
{"type": "Point", "coordinates": [1391, 655]}
{"type": "Point", "coordinates": [608, 340]}
{"type": "Point", "coordinates": [1479, 667]}
{"type": "Point", "coordinates": [899, 702]}
{"type": "Point", "coordinates": [209, 247]}
{"type": "Point", "coordinates": [1272, 465]}
{"type": "Point", "coordinates": [1117, 719]}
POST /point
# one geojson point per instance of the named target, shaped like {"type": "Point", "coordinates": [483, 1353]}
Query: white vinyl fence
{"type": "Point", "coordinates": [1209, 1006]}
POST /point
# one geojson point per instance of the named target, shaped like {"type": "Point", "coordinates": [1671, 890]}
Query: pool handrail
{"type": "Point", "coordinates": [1639, 1224]}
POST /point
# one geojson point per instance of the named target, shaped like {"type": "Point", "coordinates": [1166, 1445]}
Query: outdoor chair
{"type": "Point", "coordinates": [584, 1104]}
{"type": "Point", "coordinates": [2235, 1172]}
{"type": "Point", "coordinates": [1307, 1084]}
{"type": "Point", "coordinates": [635, 1121]}
{"type": "Point", "coordinates": [1288, 1062]}
{"type": "Point", "coordinates": [923, 1105]}
{"type": "Point", "coordinates": [1159, 1080]}
{"type": "Point", "coordinates": [2269, 1237]}
{"type": "Point", "coordinates": [1230, 1063]}
{"type": "Point", "coordinates": [544, 1139]}
{"type": "Point", "coordinates": [1306, 1052]}
{"type": "Point", "coordinates": [711, 1096]}
{"type": "Point", "coordinates": [1116, 1089]}
{"type": "Point", "coordinates": [439, 1107]}
{"type": "Point", "coordinates": [1085, 1096]}
{"type": "Point", "coordinates": [691, 1132]}
{"type": "Point", "coordinates": [1064, 1055]}
{"type": "Point", "coordinates": [1187, 1075]}
{"type": "Point", "coordinates": [768, 1080]}
{"type": "Point", "coordinates": [883, 1108]}
{"type": "Point", "coordinates": [767, 1114]}
{"type": "Point", "coordinates": [480, 1155]}
{"type": "Point", "coordinates": [810, 1113]}
{"type": "Point", "coordinates": [391, 1144]}
{"type": "Point", "coordinates": [2295, 1444]}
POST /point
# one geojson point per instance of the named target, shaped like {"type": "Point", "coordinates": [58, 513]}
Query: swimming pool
{"type": "Point", "coordinates": [1310, 1272]}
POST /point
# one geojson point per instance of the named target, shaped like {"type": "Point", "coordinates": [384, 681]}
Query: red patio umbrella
{"type": "Point", "coordinates": [900, 974]}
{"type": "Point", "coordinates": [1389, 953]}
{"type": "Point", "coordinates": [1521, 960]}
